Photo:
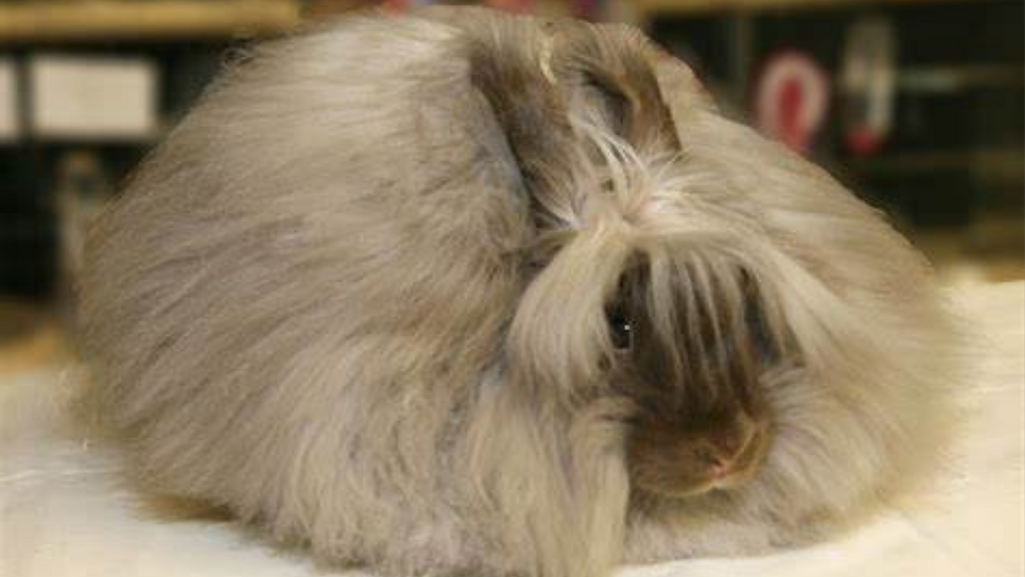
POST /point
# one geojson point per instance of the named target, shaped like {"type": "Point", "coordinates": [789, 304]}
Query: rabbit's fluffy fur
{"type": "Point", "coordinates": [358, 297]}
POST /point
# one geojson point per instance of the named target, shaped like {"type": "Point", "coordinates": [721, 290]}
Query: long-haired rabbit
{"type": "Point", "coordinates": [463, 292]}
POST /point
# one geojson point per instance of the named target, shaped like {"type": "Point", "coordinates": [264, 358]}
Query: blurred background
{"type": "Point", "coordinates": [918, 105]}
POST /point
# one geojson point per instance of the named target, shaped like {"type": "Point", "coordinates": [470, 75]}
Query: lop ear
{"type": "Point", "coordinates": [613, 66]}
{"type": "Point", "coordinates": [508, 66]}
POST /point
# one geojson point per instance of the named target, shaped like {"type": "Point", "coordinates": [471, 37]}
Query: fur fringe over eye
{"type": "Point", "coordinates": [360, 297]}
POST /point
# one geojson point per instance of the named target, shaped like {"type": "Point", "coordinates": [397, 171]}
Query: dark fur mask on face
{"type": "Point", "coordinates": [700, 419]}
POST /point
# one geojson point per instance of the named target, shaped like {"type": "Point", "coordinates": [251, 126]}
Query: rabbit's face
{"type": "Point", "coordinates": [691, 373]}
{"type": "Point", "coordinates": [620, 234]}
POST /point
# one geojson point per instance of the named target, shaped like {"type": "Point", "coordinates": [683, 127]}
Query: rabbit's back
{"type": "Point", "coordinates": [270, 277]}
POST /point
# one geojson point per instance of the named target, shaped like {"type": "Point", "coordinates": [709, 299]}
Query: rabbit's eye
{"type": "Point", "coordinates": [620, 328]}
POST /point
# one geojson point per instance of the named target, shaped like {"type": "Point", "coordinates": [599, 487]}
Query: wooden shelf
{"type": "Point", "coordinates": [1001, 164]}
{"type": "Point", "coordinates": [652, 8]}
{"type": "Point", "coordinates": [71, 20]}
{"type": "Point", "coordinates": [955, 78]}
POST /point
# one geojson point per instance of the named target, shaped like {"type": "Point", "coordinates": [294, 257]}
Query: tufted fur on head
{"type": "Point", "coordinates": [361, 297]}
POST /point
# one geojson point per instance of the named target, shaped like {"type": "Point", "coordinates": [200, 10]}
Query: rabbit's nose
{"type": "Point", "coordinates": [720, 468]}
{"type": "Point", "coordinates": [730, 449]}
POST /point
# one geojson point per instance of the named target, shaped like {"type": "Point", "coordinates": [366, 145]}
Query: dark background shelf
{"type": "Point", "coordinates": [954, 158]}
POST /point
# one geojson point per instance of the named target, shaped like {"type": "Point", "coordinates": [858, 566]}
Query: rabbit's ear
{"type": "Point", "coordinates": [613, 65]}
{"type": "Point", "coordinates": [508, 67]}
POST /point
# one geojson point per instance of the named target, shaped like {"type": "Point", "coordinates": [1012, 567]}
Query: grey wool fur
{"type": "Point", "coordinates": [360, 298]}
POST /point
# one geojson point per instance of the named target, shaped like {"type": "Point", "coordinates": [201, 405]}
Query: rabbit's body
{"type": "Point", "coordinates": [359, 296]}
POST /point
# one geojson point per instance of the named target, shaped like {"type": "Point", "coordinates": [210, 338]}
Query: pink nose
{"type": "Point", "coordinates": [720, 468]}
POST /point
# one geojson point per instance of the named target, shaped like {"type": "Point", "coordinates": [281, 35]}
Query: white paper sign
{"type": "Point", "coordinates": [92, 97]}
{"type": "Point", "coordinates": [8, 101]}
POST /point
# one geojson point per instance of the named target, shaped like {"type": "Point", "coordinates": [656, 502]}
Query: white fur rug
{"type": "Point", "coordinates": [64, 510]}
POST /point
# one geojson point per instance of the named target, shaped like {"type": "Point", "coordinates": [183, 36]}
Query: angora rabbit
{"type": "Point", "coordinates": [469, 293]}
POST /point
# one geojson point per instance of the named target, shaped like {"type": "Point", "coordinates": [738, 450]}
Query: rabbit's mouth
{"type": "Point", "coordinates": [674, 461]}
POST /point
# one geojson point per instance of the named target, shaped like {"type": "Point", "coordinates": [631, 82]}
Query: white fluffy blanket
{"type": "Point", "coordinates": [64, 510]}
